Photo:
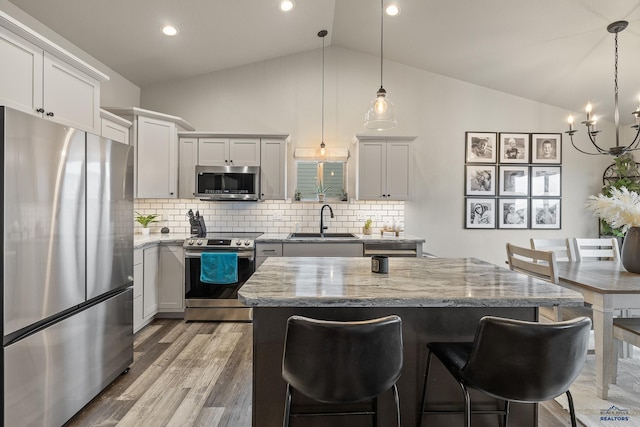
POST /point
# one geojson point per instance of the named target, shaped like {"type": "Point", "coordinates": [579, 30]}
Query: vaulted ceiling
{"type": "Point", "coordinates": [554, 51]}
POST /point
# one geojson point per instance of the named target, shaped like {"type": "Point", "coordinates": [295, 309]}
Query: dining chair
{"type": "Point", "coordinates": [596, 249]}
{"type": "Point", "coordinates": [513, 361]}
{"type": "Point", "coordinates": [562, 248]}
{"type": "Point", "coordinates": [334, 363]}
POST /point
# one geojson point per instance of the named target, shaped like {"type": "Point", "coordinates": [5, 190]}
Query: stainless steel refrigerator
{"type": "Point", "coordinates": [67, 267]}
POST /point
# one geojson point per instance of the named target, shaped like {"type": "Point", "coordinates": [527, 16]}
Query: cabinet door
{"type": "Point", "coordinates": [138, 288]}
{"type": "Point", "coordinates": [213, 151]}
{"type": "Point", "coordinates": [273, 169]}
{"type": "Point", "coordinates": [244, 152]}
{"type": "Point", "coordinates": [150, 282]}
{"type": "Point", "coordinates": [399, 170]}
{"type": "Point", "coordinates": [156, 159]}
{"type": "Point", "coordinates": [188, 160]}
{"type": "Point", "coordinates": [70, 96]}
{"type": "Point", "coordinates": [372, 170]}
{"type": "Point", "coordinates": [115, 131]}
{"type": "Point", "coordinates": [20, 83]}
{"type": "Point", "coordinates": [171, 283]}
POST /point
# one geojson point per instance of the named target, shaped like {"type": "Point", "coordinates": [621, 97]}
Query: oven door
{"type": "Point", "coordinates": [205, 301]}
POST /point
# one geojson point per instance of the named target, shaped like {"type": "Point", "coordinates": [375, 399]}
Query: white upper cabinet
{"type": "Point", "coordinates": [154, 137]}
{"type": "Point", "coordinates": [188, 159]}
{"type": "Point", "coordinates": [114, 127]}
{"type": "Point", "coordinates": [45, 80]}
{"type": "Point", "coordinates": [385, 168]}
{"type": "Point", "coordinates": [229, 151]}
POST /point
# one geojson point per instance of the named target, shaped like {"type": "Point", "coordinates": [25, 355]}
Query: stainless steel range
{"type": "Point", "coordinates": [217, 302]}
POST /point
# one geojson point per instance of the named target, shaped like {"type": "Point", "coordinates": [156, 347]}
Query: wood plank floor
{"type": "Point", "coordinates": [195, 374]}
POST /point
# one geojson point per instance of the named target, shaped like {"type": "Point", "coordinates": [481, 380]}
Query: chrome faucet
{"type": "Point", "coordinates": [322, 226]}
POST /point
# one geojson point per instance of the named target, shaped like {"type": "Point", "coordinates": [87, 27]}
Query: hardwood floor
{"type": "Point", "coordinates": [195, 374]}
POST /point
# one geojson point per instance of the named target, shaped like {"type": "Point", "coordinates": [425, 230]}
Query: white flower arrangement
{"type": "Point", "coordinates": [621, 209]}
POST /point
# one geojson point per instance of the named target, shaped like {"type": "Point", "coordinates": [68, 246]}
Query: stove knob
{"type": "Point", "coordinates": [238, 243]}
{"type": "Point", "coordinates": [247, 243]}
{"type": "Point", "coordinates": [199, 242]}
{"type": "Point", "coordinates": [190, 242]}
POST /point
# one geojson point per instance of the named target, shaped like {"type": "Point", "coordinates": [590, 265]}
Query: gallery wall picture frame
{"type": "Point", "coordinates": [545, 213]}
{"type": "Point", "coordinates": [513, 213]}
{"type": "Point", "coordinates": [514, 148]}
{"type": "Point", "coordinates": [546, 148]}
{"type": "Point", "coordinates": [480, 180]}
{"type": "Point", "coordinates": [481, 147]}
{"type": "Point", "coordinates": [480, 213]}
{"type": "Point", "coordinates": [513, 180]}
{"type": "Point", "coordinates": [546, 181]}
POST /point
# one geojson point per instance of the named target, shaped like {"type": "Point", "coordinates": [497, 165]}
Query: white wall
{"type": "Point", "coordinates": [118, 91]}
{"type": "Point", "coordinates": [283, 95]}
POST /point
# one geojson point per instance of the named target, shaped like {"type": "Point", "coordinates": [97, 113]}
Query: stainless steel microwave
{"type": "Point", "coordinates": [232, 183]}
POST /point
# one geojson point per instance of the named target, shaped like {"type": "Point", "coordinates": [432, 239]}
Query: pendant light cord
{"type": "Point", "coordinates": [322, 133]}
{"type": "Point", "coordinates": [381, 38]}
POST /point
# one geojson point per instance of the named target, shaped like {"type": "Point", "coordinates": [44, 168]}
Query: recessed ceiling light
{"type": "Point", "coordinates": [169, 30]}
{"type": "Point", "coordinates": [392, 9]}
{"type": "Point", "coordinates": [287, 5]}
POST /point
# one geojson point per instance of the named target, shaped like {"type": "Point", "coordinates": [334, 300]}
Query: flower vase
{"type": "Point", "coordinates": [630, 253]}
{"type": "Point", "coordinates": [320, 197]}
{"type": "Point", "coordinates": [145, 231]}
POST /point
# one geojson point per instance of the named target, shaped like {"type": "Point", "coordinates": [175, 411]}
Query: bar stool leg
{"type": "Point", "coordinates": [287, 408]}
{"type": "Point", "coordinates": [424, 390]}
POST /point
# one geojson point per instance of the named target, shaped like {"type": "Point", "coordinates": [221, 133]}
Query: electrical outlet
{"type": "Point", "coordinates": [377, 216]}
{"type": "Point", "coordinates": [362, 216]}
{"type": "Point", "coordinates": [277, 217]}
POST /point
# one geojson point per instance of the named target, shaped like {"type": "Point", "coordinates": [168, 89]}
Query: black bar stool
{"type": "Point", "coordinates": [336, 362]}
{"type": "Point", "coordinates": [514, 361]}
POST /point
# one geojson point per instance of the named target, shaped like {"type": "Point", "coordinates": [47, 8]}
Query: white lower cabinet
{"type": "Point", "coordinates": [138, 277]}
{"type": "Point", "coordinates": [171, 280]}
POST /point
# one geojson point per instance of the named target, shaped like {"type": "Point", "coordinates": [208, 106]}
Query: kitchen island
{"type": "Point", "coordinates": [437, 298]}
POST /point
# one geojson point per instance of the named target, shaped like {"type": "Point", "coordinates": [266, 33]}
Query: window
{"type": "Point", "coordinates": [313, 175]}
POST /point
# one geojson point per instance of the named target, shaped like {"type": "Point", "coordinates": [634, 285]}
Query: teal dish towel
{"type": "Point", "coordinates": [219, 268]}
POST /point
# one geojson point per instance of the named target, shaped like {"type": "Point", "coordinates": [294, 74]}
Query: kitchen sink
{"type": "Point", "coordinates": [318, 235]}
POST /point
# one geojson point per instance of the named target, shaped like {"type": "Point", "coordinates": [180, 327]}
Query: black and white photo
{"type": "Point", "coordinates": [481, 147]}
{"type": "Point", "coordinates": [480, 180]}
{"type": "Point", "coordinates": [513, 213]}
{"type": "Point", "coordinates": [546, 148]}
{"type": "Point", "coordinates": [545, 213]}
{"type": "Point", "coordinates": [514, 148]}
{"type": "Point", "coordinates": [480, 213]}
{"type": "Point", "coordinates": [514, 180]}
{"type": "Point", "coordinates": [545, 181]}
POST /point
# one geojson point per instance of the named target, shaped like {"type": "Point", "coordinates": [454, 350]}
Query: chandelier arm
{"type": "Point", "coordinates": [593, 141]}
{"type": "Point", "coordinates": [582, 151]}
{"type": "Point", "coordinates": [635, 141]}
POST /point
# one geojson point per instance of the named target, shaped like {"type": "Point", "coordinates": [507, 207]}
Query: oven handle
{"type": "Point", "coordinates": [241, 254]}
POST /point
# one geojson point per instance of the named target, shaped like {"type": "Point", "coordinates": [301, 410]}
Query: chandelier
{"type": "Point", "coordinates": [591, 120]}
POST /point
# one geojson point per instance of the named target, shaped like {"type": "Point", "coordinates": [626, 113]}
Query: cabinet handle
{"type": "Point", "coordinates": [226, 161]}
{"type": "Point", "coordinates": [171, 194]}
{"type": "Point", "coordinates": [50, 114]}
{"type": "Point", "coordinates": [40, 110]}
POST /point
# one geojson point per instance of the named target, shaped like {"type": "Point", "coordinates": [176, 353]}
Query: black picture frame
{"type": "Point", "coordinates": [514, 148]}
{"type": "Point", "coordinates": [480, 180]}
{"type": "Point", "coordinates": [546, 213]}
{"type": "Point", "coordinates": [480, 213]}
{"type": "Point", "coordinates": [513, 181]}
{"type": "Point", "coordinates": [481, 147]}
{"type": "Point", "coordinates": [513, 213]}
{"type": "Point", "coordinates": [546, 181]}
{"type": "Point", "coordinates": [546, 148]}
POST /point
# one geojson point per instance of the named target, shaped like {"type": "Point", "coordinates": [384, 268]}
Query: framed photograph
{"type": "Point", "coordinates": [545, 213]}
{"type": "Point", "coordinates": [546, 148]}
{"type": "Point", "coordinates": [514, 180]}
{"type": "Point", "coordinates": [514, 148]}
{"type": "Point", "coordinates": [545, 181]}
{"type": "Point", "coordinates": [481, 147]}
{"type": "Point", "coordinates": [481, 180]}
{"type": "Point", "coordinates": [513, 213]}
{"type": "Point", "coordinates": [480, 213]}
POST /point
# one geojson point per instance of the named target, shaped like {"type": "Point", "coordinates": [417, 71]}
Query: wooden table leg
{"type": "Point", "coordinates": [603, 334]}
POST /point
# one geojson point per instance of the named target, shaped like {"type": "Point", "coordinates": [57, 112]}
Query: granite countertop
{"type": "Point", "coordinates": [411, 282]}
{"type": "Point", "coordinates": [140, 241]}
{"type": "Point", "coordinates": [373, 238]}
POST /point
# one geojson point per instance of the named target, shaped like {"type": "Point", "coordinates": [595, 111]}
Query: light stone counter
{"type": "Point", "coordinates": [411, 282]}
{"type": "Point", "coordinates": [360, 238]}
{"type": "Point", "coordinates": [140, 241]}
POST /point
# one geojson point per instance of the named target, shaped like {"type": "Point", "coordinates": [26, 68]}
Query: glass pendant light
{"type": "Point", "coordinates": [381, 114]}
{"type": "Point", "coordinates": [322, 152]}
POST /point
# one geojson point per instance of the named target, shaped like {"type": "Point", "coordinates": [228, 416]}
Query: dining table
{"type": "Point", "coordinates": [607, 287]}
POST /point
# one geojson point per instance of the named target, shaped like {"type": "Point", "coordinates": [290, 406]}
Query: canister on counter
{"type": "Point", "coordinates": [380, 264]}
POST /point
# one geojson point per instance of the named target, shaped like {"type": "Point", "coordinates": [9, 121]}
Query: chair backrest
{"type": "Point", "coordinates": [533, 262]}
{"type": "Point", "coordinates": [333, 361]}
{"type": "Point", "coordinates": [562, 248]}
{"type": "Point", "coordinates": [597, 249]}
{"type": "Point", "coordinates": [527, 361]}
